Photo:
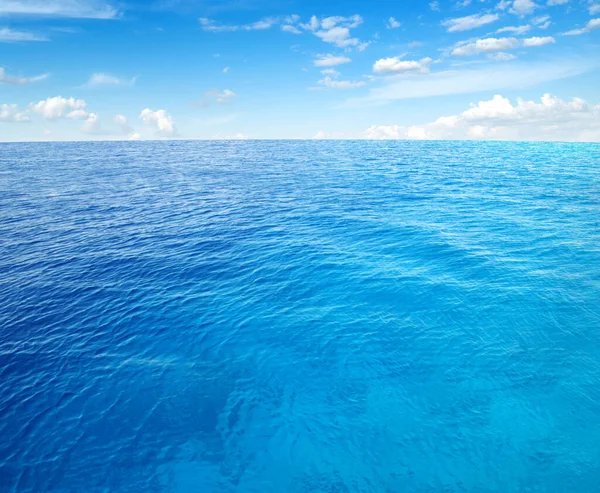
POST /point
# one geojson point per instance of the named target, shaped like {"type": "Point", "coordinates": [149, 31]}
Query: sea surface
{"type": "Point", "coordinates": [299, 316]}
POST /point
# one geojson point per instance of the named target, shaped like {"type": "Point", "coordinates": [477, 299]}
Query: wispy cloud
{"type": "Point", "coordinates": [107, 80]}
{"type": "Point", "coordinates": [590, 26]}
{"type": "Point", "coordinates": [331, 60]}
{"type": "Point", "coordinates": [486, 78]}
{"type": "Point", "coordinates": [8, 35]}
{"type": "Point", "coordinates": [469, 22]}
{"type": "Point", "coordinates": [19, 81]}
{"type": "Point", "coordinates": [90, 9]}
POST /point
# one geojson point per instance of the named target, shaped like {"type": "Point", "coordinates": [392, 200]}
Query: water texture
{"type": "Point", "coordinates": [299, 317]}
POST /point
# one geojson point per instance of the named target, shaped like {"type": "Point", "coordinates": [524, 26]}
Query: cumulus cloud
{"type": "Point", "coordinates": [395, 65]}
{"type": "Point", "coordinates": [85, 9]}
{"type": "Point", "coordinates": [469, 22]}
{"type": "Point", "coordinates": [8, 35]}
{"type": "Point", "coordinates": [594, 9]}
{"type": "Point", "coordinates": [160, 119]}
{"type": "Point", "coordinates": [331, 60]}
{"type": "Point", "coordinates": [11, 113]}
{"type": "Point", "coordinates": [20, 81]}
{"type": "Point", "coordinates": [336, 30]}
{"type": "Point", "coordinates": [392, 23]}
{"type": "Point", "coordinates": [550, 119]}
{"type": "Point", "coordinates": [59, 107]}
{"type": "Point", "coordinates": [590, 26]}
{"type": "Point", "coordinates": [107, 80]}
{"type": "Point", "coordinates": [522, 7]}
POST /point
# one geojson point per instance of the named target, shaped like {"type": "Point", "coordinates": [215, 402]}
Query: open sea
{"type": "Point", "coordinates": [299, 316]}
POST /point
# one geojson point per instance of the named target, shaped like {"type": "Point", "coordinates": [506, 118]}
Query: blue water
{"type": "Point", "coordinates": [299, 317]}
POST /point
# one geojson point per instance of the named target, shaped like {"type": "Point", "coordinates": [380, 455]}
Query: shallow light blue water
{"type": "Point", "coordinates": [299, 317]}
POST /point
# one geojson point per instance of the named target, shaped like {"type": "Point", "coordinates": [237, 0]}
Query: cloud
{"type": "Point", "coordinates": [489, 77]}
{"type": "Point", "coordinates": [104, 80]}
{"type": "Point", "coordinates": [20, 81]}
{"type": "Point", "coordinates": [550, 119]}
{"type": "Point", "coordinates": [291, 29]}
{"type": "Point", "coordinates": [396, 66]}
{"type": "Point", "coordinates": [8, 35]}
{"type": "Point", "coordinates": [591, 25]}
{"type": "Point", "coordinates": [435, 6]}
{"type": "Point", "coordinates": [542, 22]}
{"type": "Point", "coordinates": [59, 107]}
{"type": "Point", "coordinates": [225, 70]}
{"type": "Point", "coordinates": [513, 29]}
{"type": "Point", "coordinates": [331, 60]}
{"type": "Point", "coordinates": [537, 41]}
{"type": "Point", "coordinates": [341, 84]}
{"type": "Point", "coordinates": [220, 97]}
{"type": "Point", "coordinates": [336, 30]}
{"type": "Point", "coordinates": [10, 113]}
{"type": "Point", "coordinates": [485, 46]}
{"type": "Point", "coordinates": [260, 25]}
{"type": "Point", "coordinates": [160, 119]}
{"type": "Point", "coordinates": [469, 22]}
{"type": "Point", "coordinates": [522, 7]}
{"type": "Point", "coordinates": [135, 136]}
{"type": "Point", "coordinates": [557, 2]}
{"type": "Point", "coordinates": [392, 23]}
{"type": "Point", "coordinates": [85, 9]}
{"type": "Point", "coordinates": [501, 57]}
{"type": "Point", "coordinates": [594, 9]}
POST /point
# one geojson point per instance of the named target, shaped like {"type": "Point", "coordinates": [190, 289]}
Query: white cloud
{"type": "Point", "coordinates": [331, 60]}
{"type": "Point", "coordinates": [550, 119]}
{"type": "Point", "coordinates": [331, 72]}
{"type": "Point", "coordinates": [10, 113]}
{"type": "Point", "coordinates": [135, 136]}
{"type": "Point", "coordinates": [59, 107]}
{"type": "Point", "coordinates": [514, 29]}
{"type": "Point", "coordinates": [591, 25]}
{"type": "Point", "coordinates": [92, 125]}
{"type": "Point", "coordinates": [20, 81]}
{"type": "Point", "coordinates": [435, 6]}
{"type": "Point", "coordinates": [501, 57]}
{"type": "Point", "coordinates": [522, 7]}
{"type": "Point", "coordinates": [469, 22]}
{"type": "Point", "coordinates": [485, 46]}
{"type": "Point", "coordinates": [392, 23]}
{"type": "Point", "coordinates": [336, 30]}
{"type": "Point", "coordinates": [489, 77]}
{"type": "Point", "coordinates": [557, 2]}
{"type": "Point", "coordinates": [594, 9]}
{"type": "Point", "coordinates": [537, 41]}
{"type": "Point", "coordinates": [542, 22]}
{"type": "Point", "coordinates": [221, 97]}
{"type": "Point", "coordinates": [291, 29]}
{"type": "Point", "coordinates": [263, 24]}
{"type": "Point", "coordinates": [100, 80]}
{"type": "Point", "coordinates": [8, 35]}
{"type": "Point", "coordinates": [225, 70]}
{"type": "Point", "coordinates": [397, 66]}
{"type": "Point", "coordinates": [341, 84]}
{"type": "Point", "coordinates": [90, 9]}
{"type": "Point", "coordinates": [160, 119]}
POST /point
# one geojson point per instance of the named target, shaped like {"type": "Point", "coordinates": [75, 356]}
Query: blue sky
{"type": "Point", "coordinates": [202, 69]}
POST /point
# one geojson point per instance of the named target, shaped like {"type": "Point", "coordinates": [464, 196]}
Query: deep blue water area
{"type": "Point", "coordinates": [299, 316]}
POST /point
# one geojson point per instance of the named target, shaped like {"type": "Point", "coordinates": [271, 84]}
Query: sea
{"type": "Point", "coordinates": [299, 316]}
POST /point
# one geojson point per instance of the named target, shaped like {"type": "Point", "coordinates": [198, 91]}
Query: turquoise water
{"type": "Point", "coordinates": [299, 317]}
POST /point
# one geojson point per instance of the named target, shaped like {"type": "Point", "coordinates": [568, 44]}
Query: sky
{"type": "Point", "coordinates": [291, 69]}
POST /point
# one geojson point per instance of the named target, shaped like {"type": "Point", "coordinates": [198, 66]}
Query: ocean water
{"type": "Point", "coordinates": [299, 317]}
